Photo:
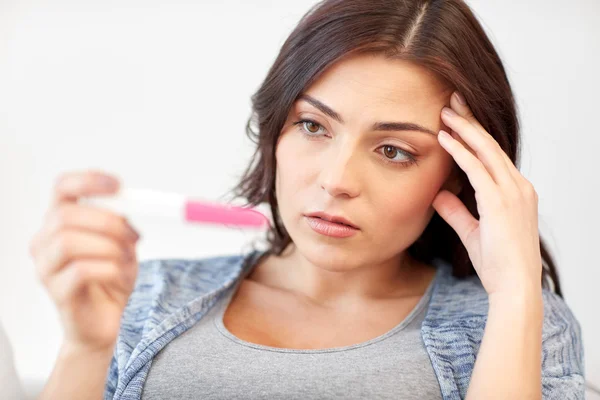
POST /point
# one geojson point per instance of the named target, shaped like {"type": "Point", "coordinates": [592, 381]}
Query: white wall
{"type": "Point", "coordinates": [159, 93]}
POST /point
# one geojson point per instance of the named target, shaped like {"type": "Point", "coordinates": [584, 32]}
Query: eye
{"type": "Point", "coordinates": [390, 152]}
{"type": "Point", "coordinates": [309, 127]}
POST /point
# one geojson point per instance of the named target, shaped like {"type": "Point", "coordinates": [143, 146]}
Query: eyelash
{"type": "Point", "coordinates": [402, 164]}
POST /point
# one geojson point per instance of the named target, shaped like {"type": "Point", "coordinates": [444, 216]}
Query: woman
{"type": "Point", "coordinates": [404, 259]}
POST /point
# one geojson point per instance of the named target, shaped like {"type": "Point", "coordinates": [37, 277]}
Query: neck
{"type": "Point", "coordinates": [333, 284]}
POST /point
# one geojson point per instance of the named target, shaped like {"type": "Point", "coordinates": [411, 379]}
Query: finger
{"type": "Point", "coordinates": [70, 186]}
{"type": "Point", "coordinates": [460, 105]}
{"type": "Point", "coordinates": [77, 275]}
{"type": "Point", "coordinates": [479, 177]}
{"type": "Point", "coordinates": [486, 151]}
{"type": "Point", "coordinates": [86, 218]}
{"type": "Point", "coordinates": [69, 245]}
{"type": "Point", "coordinates": [456, 214]}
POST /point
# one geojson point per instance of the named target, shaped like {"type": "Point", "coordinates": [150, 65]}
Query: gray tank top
{"type": "Point", "coordinates": [209, 362]}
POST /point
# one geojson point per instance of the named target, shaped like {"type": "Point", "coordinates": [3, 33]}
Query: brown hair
{"type": "Point", "coordinates": [441, 35]}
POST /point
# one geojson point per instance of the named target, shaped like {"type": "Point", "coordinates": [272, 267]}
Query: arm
{"type": "Point", "coordinates": [86, 258]}
{"type": "Point", "coordinates": [521, 359]}
{"type": "Point", "coordinates": [508, 364]}
{"type": "Point", "coordinates": [78, 374]}
{"type": "Point", "coordinates": [504, 246]}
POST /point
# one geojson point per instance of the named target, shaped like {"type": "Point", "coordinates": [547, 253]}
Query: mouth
{"type": "Point", "coordinates": [336, 219]}
{"type": "Point", "coordinates": [325, 227]}
{"type": "Point", "coordinates": [338, 223]}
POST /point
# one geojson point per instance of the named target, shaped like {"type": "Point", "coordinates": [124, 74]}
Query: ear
{"type": "Point", "coordinates": [454, 182]}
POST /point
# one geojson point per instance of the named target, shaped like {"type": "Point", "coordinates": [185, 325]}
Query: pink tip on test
{"type": "Point", "coordinates": [200, 211]}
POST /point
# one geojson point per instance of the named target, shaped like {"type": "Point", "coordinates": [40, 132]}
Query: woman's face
{"type": "Point", "coordinates": [382, 180]}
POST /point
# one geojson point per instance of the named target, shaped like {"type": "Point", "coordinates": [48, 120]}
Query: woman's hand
{"type": "Point", "coordinates": [503, 244]}
{"type": "Point", "coordinates": [86, 259]}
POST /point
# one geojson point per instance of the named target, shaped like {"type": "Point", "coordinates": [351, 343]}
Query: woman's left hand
{"type": "Point", "coordinates": [503, 244]}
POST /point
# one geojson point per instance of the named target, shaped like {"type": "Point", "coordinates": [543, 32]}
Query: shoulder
{"type": "Point", "coordinates": [457, 300]}
{"type": "Point", "coordinates": [164, 286]}
{"type": "Point", "coordinates": [458, 314]}
{"type": "Point", "coordinates": [558, 318]}
{"type": "Point", "coordinates": [464, 302]}
{"type": "Point", "coordinates": [178, 279]}
{"type": "Point", "coordinates": [454, 326]}
{"type": "Point", "coordinates": [562, 349]}
{"type": "Point", "coordinates": [167, 294]}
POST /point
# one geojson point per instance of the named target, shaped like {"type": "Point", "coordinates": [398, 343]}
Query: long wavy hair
{"type": "Point", "coordinates": [443, 36]}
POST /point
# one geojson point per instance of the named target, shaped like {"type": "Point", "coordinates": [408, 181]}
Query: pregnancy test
{"type": "Point", "coordinates": [175, 206]}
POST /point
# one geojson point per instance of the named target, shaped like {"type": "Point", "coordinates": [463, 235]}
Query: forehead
{"type": "Point", "coordinates": [376, 84]}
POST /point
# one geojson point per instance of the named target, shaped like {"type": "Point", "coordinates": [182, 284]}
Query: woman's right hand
{"type": "Point", "coordinates": [85, 257]}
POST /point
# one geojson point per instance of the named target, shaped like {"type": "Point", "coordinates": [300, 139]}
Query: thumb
{"type": "Point", "coordinates": [456, 214]}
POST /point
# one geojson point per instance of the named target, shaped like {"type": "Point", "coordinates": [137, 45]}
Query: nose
{"type": "Point", "coordinates": [339, 173]}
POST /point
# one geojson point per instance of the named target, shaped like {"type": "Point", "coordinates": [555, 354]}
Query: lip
{"type": "Point", "coordinates": [332, 229]}
{"type": "Point", "coordinates": [332, 218]}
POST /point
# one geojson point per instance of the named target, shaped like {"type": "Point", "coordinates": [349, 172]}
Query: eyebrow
{"type": "Point", "coordinates": [378, 126]}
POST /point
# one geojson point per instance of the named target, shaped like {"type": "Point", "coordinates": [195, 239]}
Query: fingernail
{"type": "Point", "coordinates": [449, 112]}
{"type": "Point", "coordinates": [460, 98]}
{"type": "Point", "coordinates": [108, 182]}
{"type": "Point", "coordinates": [133, 234]}
{"type": "Point", "coordinates": [445, 135]}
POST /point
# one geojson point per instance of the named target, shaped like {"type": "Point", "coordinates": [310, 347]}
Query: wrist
{"type": "Point", "coordinates": [71, 351]}
{"type": "Point", "coordinates": [522, 301]}
{"type": "Point", "coordinates": [80, 372]}
{"type": "Point", "coordinates": [517, 289]}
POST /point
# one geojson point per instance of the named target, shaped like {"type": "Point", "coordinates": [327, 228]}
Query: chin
{"type": "Point", "coordinates": [328, 254]}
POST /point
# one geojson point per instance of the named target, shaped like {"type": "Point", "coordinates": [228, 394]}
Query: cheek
{"type": "Point", "coordinates": [408, 200]}
{"type": "Point", "coordinates": [404, 212]}
{"type": "Point", "coordinates": [289, 177]}
{"type": "Point", "coordinates": [405, 203]}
